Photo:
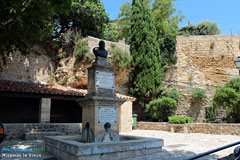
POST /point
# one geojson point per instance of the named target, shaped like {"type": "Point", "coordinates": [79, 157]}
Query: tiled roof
{"type": "Point", "coordinates": [52, 89]}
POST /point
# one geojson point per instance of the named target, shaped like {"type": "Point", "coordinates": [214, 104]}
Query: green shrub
{"type": "Point", "coordinates": [212, 44]}
{"type": "Point", "coordinates": [228, 98]}
{"type": "Point", "coordinates": [180, 120]}
{"type": "Point", "coordinates": [198, 93]}
{"type": "Point", "coordinates": [160, 109]}
{"type": "Point", "coordinates": [51, 79]}
{"type": "Point", "coordinates": [81, 50]}
{"type": "Point", "coordinates": [234, 82]}
{"type": "Point", "coordinates": [210, 114]}
{"type": "Point", "coordinates": [174, 94]}
{"type": "Point", "coordinates": [62, 55]}
{"type": "Point", "coordinates": [120, 57]}
{"type": "Point", "coordinates": [64, 80]}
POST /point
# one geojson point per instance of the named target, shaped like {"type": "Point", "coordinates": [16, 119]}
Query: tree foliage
{"type": "Point", "coordinates": [124, 22]}
{"type": "Point", "coordinates": [146, 65]}
{"type": "Point", "coordinates": [110, 32]}
{"type": "Point", "coordinates": [166, 19]}
{"type": "Point", "coordinates": [229, 98]}
{"type": "Point", "coordinates": [203, 28]}
{"type": "Point", "coordinates": [85, 15]}
{"type": "Point", "coordinates": [24, 22]}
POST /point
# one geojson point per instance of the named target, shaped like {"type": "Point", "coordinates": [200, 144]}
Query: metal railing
{"type": "Point", "coordinates": [236, 153]}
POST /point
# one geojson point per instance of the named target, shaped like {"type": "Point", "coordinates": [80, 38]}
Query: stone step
{"type": "Point", "coordinates": [40, 135]}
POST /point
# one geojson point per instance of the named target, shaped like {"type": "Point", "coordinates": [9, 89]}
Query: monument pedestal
{"type": "Point", "coordinates": [100, 118]}
{"type": "Point", "coordinates": [100, 113]}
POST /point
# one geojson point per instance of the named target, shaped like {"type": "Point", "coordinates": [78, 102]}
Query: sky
{"type": "Point", "coordinates": [225, 12]}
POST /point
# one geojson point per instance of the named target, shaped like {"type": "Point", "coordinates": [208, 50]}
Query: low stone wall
{"type": "Point", "coordinates": [17, 131]}
{"type": "Point", "coordinates": [207, 128]}
{"type": "Point", "coordinates": [153, 126]}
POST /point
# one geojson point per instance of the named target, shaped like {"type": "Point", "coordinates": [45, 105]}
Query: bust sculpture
{"type": "Point", "coordinates": [100, 51]}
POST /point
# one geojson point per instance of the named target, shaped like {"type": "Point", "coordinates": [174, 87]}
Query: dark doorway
{"type": "Point", "coordinates": [19, 110]}
{"type": "Point", "coordinates": [65, 111]}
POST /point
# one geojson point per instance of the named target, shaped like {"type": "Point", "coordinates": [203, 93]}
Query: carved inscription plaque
{"type": "Point", "coordinates": [104, 80]}
{"type": "Point", "coordinates": [107, 114]}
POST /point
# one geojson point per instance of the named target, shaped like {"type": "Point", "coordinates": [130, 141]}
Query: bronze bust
{"type": "Point", "coordinates": [100, 51]}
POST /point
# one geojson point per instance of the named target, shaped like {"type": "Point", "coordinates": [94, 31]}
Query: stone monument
{"type": "Point", "coordinates": [100, 115]}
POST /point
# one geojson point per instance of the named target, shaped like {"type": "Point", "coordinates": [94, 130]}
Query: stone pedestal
{"type": "Point", "coordinates": [100, 113]}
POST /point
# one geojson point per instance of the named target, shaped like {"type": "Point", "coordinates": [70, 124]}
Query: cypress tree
{"type": "Point", "coordinates": [146, 72]}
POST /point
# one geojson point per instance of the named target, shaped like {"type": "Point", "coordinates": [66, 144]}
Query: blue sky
{"type": "Point", "coordinates": [225, 12]}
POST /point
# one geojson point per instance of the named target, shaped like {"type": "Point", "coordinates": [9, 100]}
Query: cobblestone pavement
{"type": "Point", "coordinates": [177, 146]}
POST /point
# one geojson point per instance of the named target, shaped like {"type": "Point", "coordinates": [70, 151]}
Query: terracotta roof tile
{"type": "Point", "coordinates": [52, 88]}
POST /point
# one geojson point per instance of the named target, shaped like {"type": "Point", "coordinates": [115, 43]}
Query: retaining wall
{"type": "Point", "coordinates": [207, 128]}
{"type": "Point", "coordinates": [17, 131]}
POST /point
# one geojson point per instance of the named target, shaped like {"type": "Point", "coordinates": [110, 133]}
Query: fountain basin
{"type": "Point", "coordinates": [71, 148]}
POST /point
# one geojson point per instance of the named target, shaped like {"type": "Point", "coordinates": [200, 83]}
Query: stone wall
{"type": "Point", "coordinates": [153, 126]}
{"type": "Point", "coordinates": [38, 66]}
{"type": "Point", "coordinates": [77, 73]}
{"type": "Point", "coordinates": [18, 131]}
{"type": "Point", "coordinates": [203, 62]}
{"type": "Point", "coordinates": [207, 128]}
{"type": "Point", "coordinates": [93, 42]}
{"type": "Point", "coordinates": [32, 67]}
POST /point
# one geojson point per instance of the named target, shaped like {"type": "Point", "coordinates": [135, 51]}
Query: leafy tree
{"type": "Point", "coordinates": [229, 97]}
{"type": "Point", "coordinates": [25, 21]}
{"type": "Point", "coordinates": [146, 72]}
{"type": "Point", "coordinates": [203, 28]}
{"type": "Point", "coordinates": [124, 22]}
{"type": "Point", "coordinates": [85, 15]}
{"type": "Point", "coordinates": [166, 19]}
{"type": "Point", "coordinates": [110, 32]}
{"type": "Point", "coordinates": [160, 109]}
{"type": "Point", "coordinates": [166, 22]}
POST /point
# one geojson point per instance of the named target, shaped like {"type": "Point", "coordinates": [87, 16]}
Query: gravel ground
{"type": "Point", "coordinates": [177, 146]}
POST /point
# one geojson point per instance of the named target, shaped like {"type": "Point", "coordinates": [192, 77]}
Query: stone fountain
{"type": "Point", "coordinates": [100, 137]}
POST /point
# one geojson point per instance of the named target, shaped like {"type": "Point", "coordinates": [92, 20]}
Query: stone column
{"type": "Point", "coordinates": [44, 110]}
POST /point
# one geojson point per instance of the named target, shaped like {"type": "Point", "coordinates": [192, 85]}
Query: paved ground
{"type": "Point", "coordinates": [177, 146]}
